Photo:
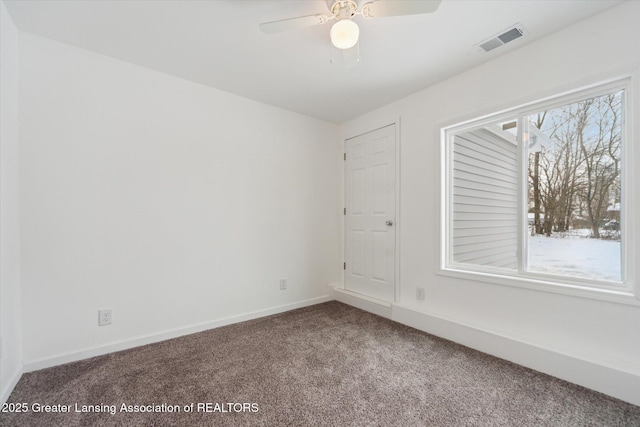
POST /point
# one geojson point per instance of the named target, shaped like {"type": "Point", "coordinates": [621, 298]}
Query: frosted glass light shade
{"type": "Point", "coordinates": [344, 34]}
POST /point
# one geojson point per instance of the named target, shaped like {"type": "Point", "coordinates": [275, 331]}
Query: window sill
{"type": "Point", "coordinates": [620, 296]}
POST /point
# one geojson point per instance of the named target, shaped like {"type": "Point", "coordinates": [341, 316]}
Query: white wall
{"type": "Point", "coordinates": [10, 305]}
{"type": "Point", "coordinates": [176, 205]}
{"type": "Point", "coordinates": [602, 333]}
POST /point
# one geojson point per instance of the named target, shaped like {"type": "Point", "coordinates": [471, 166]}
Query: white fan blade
{"type": "Point", "coordinates": [384, 8]}
{"type": "Point", "coordinates": [292, 23]}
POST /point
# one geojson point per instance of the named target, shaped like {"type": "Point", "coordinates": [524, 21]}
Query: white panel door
{"type": "Point", "coordinates": [370, 181]}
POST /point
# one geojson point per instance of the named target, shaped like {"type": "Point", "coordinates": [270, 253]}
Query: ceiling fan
{"type": "Point", "coordinates": [345, 32]}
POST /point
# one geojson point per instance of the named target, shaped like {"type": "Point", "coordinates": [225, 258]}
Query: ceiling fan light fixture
{"type": "Point", "coordinates": [344, 34]}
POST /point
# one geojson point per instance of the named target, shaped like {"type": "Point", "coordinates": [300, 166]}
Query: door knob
{"type": "Point", "coordinates": [389, 223]}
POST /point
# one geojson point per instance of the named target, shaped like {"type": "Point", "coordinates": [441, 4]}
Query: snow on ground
{"type": "Point", "coordinates": [575, 255]}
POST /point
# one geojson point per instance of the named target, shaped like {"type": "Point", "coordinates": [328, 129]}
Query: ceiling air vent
{"type": "Point", "coordinates": [504, 37]}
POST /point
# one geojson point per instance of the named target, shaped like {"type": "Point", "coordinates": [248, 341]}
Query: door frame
{"type": "Point", "coordinates": [397, 221]}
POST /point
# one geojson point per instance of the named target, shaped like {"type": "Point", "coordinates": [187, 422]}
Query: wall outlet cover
{"type": "Point", "coordinates": [104, 317]}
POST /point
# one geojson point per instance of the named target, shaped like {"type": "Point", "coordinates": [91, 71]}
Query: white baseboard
{"type": "Point", "coordinates": [12, 384]}
{"type": "Point", "coordinates": [608, 380]}
{"type": "Point", "coordinates": [372, 305]}
{"type": "Point", "coordinates": [86, 353]}
{"type": "Point", "coordinates": [612, 381]}
{"type": "Point", "coordinates": [604, 379]}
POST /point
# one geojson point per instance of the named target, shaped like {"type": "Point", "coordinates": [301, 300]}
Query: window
{"type": "Point", "coordinates": [538, 192]}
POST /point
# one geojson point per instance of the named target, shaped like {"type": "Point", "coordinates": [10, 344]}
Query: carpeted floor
{"type": "Point", "coordinates": [325, 365]}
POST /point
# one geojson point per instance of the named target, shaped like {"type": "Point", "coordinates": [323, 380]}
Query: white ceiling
{"type": "Point", "coordinates": [218, 43]}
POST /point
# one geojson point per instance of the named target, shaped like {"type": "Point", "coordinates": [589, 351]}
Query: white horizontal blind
{"type": "Point", "coordinates": [484, 200]}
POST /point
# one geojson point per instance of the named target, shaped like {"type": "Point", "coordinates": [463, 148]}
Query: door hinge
{"type": "Point", "coordinates": [344, 266]}
{"type": "Point", "coordinates": [345, 156]}
{"type": "Point", "coordinates": [345, 211]}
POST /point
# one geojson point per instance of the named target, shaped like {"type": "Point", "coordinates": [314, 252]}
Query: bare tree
{"type": "Point", "coordinates": [535, 178]}
{"type": "Point", "coordinates": [599, 141]}
{"type": "Point", "coordinates": [579, 170]}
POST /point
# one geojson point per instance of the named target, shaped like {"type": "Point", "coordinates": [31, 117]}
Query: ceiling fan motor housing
{"type": "Point", "coordinates": [342, 9]}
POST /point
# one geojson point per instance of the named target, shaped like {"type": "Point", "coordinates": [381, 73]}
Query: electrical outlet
{"type": "Point", "coordinates": [104, 317]}
{"type": "Point", "coordinates": [283, 283]}
{"type": "Point", "coordinates": [420, 293]}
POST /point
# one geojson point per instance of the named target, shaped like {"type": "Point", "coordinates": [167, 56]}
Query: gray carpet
{"type": "Point", "coordinates": [325, 365]}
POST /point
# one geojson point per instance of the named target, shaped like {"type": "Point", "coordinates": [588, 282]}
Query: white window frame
{"type": "Point", "coordinates": [626, 291]}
